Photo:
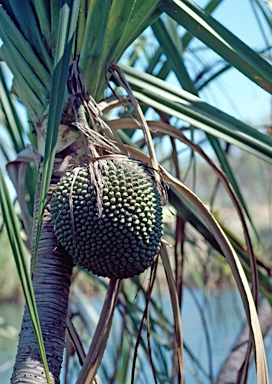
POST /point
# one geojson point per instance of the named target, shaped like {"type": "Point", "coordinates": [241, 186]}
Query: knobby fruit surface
{"type": "Point", "coordinates": [108, 217]}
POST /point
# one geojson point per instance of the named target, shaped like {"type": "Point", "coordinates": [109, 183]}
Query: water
{"type": "Point", "coordinates": [222, 315]}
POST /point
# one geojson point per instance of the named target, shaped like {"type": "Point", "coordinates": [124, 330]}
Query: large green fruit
{"type": "Point", "coordinates": [108, 217]}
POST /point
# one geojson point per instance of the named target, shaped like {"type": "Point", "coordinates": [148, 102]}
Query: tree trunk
{"type": "Point", "coordinates": [51, 283]}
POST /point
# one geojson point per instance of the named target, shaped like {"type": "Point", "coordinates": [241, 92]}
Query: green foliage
{"type": "Point", "coordinates": [110, 27]}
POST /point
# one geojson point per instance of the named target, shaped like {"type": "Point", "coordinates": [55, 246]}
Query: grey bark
{"type": "Point", "coordinates": [230, 368]}
{"type": "Point", "coordinates": [51, 283]}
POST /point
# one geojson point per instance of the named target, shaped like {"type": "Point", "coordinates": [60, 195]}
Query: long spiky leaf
{"type": "Point", "coordinates": [67, 26]}
{"type": "Point", "coordinates": [10, 31]}
{"type": "Point", "coordinates": [185, 106]}
{"type": "Point", "coordinates": [174, 59]}
{"type": "Point", "coordinates": [26, 19]}
{"type": "Point", "coordinates": [42, 11]}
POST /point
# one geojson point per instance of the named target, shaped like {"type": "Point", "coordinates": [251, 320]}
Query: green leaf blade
{"type": "Point", "coordinates": [67, 27]}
